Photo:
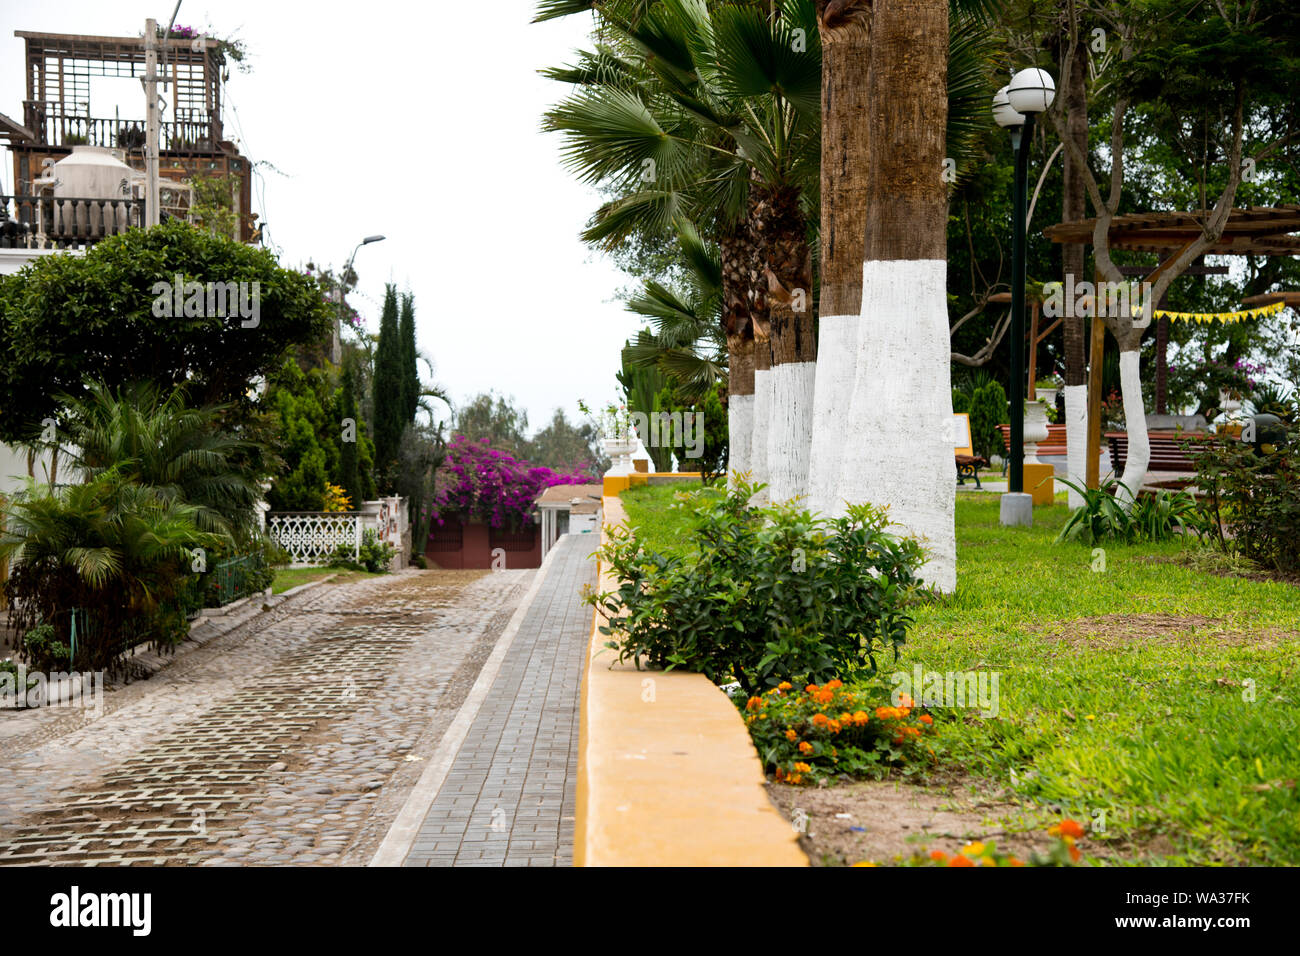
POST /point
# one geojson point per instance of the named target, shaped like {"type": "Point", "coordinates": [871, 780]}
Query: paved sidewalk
{"type": "Point", "coordinates": [509, 797]}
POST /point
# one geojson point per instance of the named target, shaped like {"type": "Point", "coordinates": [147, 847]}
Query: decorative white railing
{"type": "Point", "coordinates": [312, 537]}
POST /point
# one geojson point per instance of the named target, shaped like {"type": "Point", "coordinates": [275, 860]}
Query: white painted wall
{"type": "Point", "coordinates": [836, 363]}
{"type": "Point", "coordinates": [789, 430]}
{"type": "Point", "coordinates": [898, 450]}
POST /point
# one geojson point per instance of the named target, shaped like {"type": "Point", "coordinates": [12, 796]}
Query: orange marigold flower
{"type": "Point", "coordinates": [898, 739]}
{"type": "Point", "coordinates": [780, 774]}
{"type": "Point", "coordinates": [824, 696]}
{"type": "Point", "coordinates": [790, 735]}
{"type": "Point", "coordinates": [805, 747]}
{"type": "Point", "coordinates": [835, 684]}
{"type": "Point", "coordinates": [811, 688]}
{"type": "Point", "coordinates": [794, 778]}
{"type": "Point", "coordinates": [938, 855]}
{"type": "Point", "coordinates": [884, 713]}
{"type": "Point", "coordinates": [845, 718]}
{"type": "Point", "coordinates": [861, 717]}
{"type": "Point", "coordinates": [784, 685]}
{"type": "Point", "coordinates": [821, 720]}
{"type": "Point", "coordinates": [905, 701]}
{"type": "Point", "coordinates": [803, 768]}
{"type": "Point", "coordinates": [1012, 861]}
{"type": "Point", "coordinates": [902, 711]}
{"type": "Point", "coordinates": [960, 860]}
{"type": "Point", "coordinates": [1075, 854]}
{"type": "Point", "coordinates": [754, 703]}
{"type": "Point", "coordinates": [833, 726]}
{"type": "Point", "coordinates": [926, 719]}
{"type": "Point", "coordinates": [1070, 828]}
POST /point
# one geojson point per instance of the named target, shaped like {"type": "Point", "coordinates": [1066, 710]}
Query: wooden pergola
{"type": "Point", "coordinates": [1250, 231]}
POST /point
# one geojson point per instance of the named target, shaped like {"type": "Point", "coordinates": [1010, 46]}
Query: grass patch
{"type": "Point", "coordinates": [1124, 694]}
{"type": "Point", "coordinates": [286, 578]}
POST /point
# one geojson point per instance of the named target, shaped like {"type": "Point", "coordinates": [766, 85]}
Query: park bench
{"type": "Point", "coordinates": [1169, 450]}
{"type": "Point", "coordinates": [968, 463]}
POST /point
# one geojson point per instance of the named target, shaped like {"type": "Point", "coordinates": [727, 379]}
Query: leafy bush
{"type": "Point", "coordinates": [110, 555]}
{"type": "Point", "coordinates": [831, 729]}
{"type": "Point", "coordinates": [762, 594]}
{"type": "Point", "coordinates": [1252, 493]}
{"type": "Point", "coordinates": [1104, 516]}
{"type": "Point", "coordinates": [374, 555]}
{"type": "Point", "coordinates": [989, 408]}
{"type": "Point", "coordinates": [960, 401]}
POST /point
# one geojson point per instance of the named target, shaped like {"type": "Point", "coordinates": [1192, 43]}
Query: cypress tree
{"type": "Point", "coordinates": [410, 371]}
{"type": "Point", "coordinates": [389, 393]}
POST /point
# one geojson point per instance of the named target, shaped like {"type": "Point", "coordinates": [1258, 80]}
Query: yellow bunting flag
{"type": "Point", "coordinates": [1203, 317]}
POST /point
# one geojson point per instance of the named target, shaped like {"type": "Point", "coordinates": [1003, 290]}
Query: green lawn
{"type": "Point", "coordinates": [1144, 717]}
{"type": "Point", "coordinates": [286, 578]}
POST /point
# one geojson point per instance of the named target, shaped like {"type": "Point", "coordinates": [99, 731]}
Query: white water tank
{"type": "Point", "coordinates": [92, 172]}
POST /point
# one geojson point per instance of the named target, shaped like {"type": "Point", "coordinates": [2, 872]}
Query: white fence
{"type": "Point", "coordinates": [312, 537]}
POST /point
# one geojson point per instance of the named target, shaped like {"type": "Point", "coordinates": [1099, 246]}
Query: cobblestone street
{"type": "Point", "coordinates": [294, 739]}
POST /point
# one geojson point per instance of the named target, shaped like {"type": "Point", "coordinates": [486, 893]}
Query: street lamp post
{"type": "Point", "coordinates": [336, 347]}
{"type": "Point", "coordinates": [1015, 106]}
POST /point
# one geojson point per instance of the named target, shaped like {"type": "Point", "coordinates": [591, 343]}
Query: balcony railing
{"type": "Point", "coordinates": [52, 129]}
{"type": "Point", "coordinates": [41, 222]}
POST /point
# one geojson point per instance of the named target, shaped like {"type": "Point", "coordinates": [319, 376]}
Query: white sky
{"type": "Point", "coordinates": [395, 118]}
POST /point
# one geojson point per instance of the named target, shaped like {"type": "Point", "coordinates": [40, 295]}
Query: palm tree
{"type": "Point", "coordinates": [111, 547]}
{"type": "Point", "coordinates": [895, 450]}
{"type": "Point", "coordinates": [182, 454]}
{"type": "Point", "coordinates": [846, 41]}
{"type": "Point", "coordinates": [712, 116]}
{"type": "Point", "coordinates": [686, 340]}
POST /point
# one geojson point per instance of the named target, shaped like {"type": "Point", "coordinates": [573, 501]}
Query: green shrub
{"type": "Point", "coordinates": [759, 595]}
{"type": "Point", "coordinates": [1105, 516]}
{"type": "Point", "coordinates": [989, 408]}
{"type": "Point", "coordinates": [1252, 493]}
{"type": "Point", "coordinates": [960, 401]}
{"type": "Point", "coordinates": [374, 556]}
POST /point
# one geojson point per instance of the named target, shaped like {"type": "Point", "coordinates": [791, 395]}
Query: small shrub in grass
{"type": "Point", "coordinates": [1108, 513]}
{"type": "Point", "coordinates": [759, 594]}
{"type": "Point", "coordinates": [1252, 492]}
{"type": "Point", "coordinates": [822, 731]}
{"type": "Point", "coordinates": [374, 556]}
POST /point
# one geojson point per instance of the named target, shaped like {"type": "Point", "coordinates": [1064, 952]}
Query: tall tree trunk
{"type": "Point", "coordinates": [737, 280]}
{"type": "Point", "coordinates": [1073, 208]}
{"type": "Point", "coordinates": [793, 341]}
{"type": "Point", "coordinates": [750, 293]}
{"type": "Point", "coordinates": [1162, 365]}
{"type": "Point", "coordinates": [898, 453]}
{"type": "Point", "coordinates": [845, 29]}
{"type": "Point", "coordinates": [740, 402]}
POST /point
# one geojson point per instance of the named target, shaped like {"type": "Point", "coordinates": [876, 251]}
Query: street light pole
{"type": "Point", "coordinates": [1029, 93]}
{"type": "Point", "coordinates": [1021, 137]}
{"type": "Point", "coordinates": [336, 347]}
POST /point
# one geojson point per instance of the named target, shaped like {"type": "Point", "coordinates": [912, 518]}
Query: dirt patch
{"type": "Point", "coordinates": [885, 821]}
{"type": "Point", "coordinates": [1111, 631]}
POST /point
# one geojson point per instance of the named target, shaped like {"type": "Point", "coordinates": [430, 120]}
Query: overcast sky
{"type": "Point", "coordinates": [399, 119]}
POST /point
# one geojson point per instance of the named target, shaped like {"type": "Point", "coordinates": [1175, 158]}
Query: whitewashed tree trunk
{"type": "Point", "coordinates": [837, 349]}
{"type": "Point", "coordinates": [1135, 418]}
{"type": "Point", "coordinates": [789, 430]}
{"type": "Point", "coordinates": [758, 434]}
{"type": "Point", "coordinates": [1076, 439]}
{"type": "Point", "coordinates": [740, 428]}
{"type": "Point", "coordinates": [897, 451]}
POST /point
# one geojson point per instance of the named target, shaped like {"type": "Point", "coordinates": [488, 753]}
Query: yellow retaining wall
{"type": "Point", "coordinates": [1038, 481]}
{"type": "Point", "coordinates": [667, 775]}
{"type": "Point", "coordinates": [614, 486]}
